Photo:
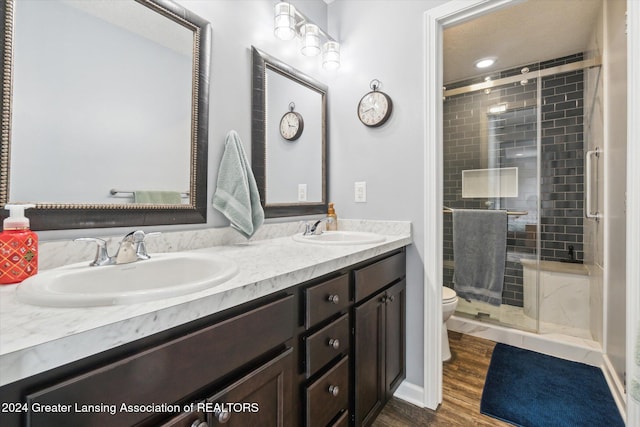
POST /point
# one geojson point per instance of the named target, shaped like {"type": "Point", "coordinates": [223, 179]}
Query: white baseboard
{"type": "Point", "coordinates": [410, 393]}
{"type": "Point", "coordinates": [616, 387]}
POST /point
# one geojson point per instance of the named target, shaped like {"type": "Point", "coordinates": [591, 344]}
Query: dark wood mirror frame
{"type": "Point", "coordinates": [261, 62]}
{"type": "Point", "coordinates": [51, 216]}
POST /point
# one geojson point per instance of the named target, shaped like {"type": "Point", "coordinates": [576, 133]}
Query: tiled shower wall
{"type": "Point", "coordinates": [476, 139]}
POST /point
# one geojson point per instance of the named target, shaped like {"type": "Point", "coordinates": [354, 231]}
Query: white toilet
{"type": "Point", "coordinates": [449, 304]}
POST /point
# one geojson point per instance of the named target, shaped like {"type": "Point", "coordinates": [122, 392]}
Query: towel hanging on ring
{"type": "Point", "coordinates": [236, 194]}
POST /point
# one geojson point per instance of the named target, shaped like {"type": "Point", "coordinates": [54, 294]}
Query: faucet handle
{"type": "Point", "coordinates": [307, 227]}
{"type": "Point", "coordinates": [102, 255]}
{"type": "Point", "coordinates": [138, 239]}
{"type": "Point", "coordinates": [138, 236]}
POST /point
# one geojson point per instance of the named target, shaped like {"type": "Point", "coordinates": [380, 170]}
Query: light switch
{"type": "Point", "coordinates": [360, 189]}
{"type": "Point", "coordinates": [302, 192]}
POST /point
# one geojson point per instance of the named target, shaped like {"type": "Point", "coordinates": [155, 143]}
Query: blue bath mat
{"type": "Point", "coordinates": [531, 389]}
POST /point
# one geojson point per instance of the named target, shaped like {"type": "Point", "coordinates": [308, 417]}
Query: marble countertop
{"type": "Point", "coordinates": [35, 339]}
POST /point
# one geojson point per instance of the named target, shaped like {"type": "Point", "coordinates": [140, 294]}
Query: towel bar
{"type": "Point", "coordinates": [115, 192]}
{"type": "Point", "coordinates": [510, 213]}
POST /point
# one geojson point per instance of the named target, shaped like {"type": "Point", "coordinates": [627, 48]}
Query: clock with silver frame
{"type": "Point", "coordinates": [375, 108]}
{"type": "Point", "coordinates": [291, 124]}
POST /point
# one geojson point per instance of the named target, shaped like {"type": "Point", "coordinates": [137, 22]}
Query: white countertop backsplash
{"type": "Point", "coordinates": [35, 339]}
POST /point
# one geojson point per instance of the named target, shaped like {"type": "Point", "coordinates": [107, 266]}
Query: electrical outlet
{"type": "Point", "coordinates": [360, 190]}
{"type": "Point", "coordinates": [302, 192]}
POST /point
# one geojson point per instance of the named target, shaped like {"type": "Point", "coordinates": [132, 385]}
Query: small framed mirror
{"type": "Point", "coordinates": [104, 112]}
{"type": "Point", "coordinates": [289, 138]}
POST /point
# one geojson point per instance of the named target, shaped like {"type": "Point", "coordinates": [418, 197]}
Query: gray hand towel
{"type": "Point", "coordinates": [237, 195]}
{"type": "Point", "coordinates": [479, 251]}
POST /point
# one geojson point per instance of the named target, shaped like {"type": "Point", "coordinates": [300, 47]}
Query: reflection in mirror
{"type": "Point", "coordinates": [300, 158]}
{"type": "Point", "coordinates": [109, 102]}
{"type": "Point", "coordinates": [291, 174]}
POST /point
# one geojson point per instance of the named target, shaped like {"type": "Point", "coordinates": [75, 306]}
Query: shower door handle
{"type": "Point", "coordinates": [588, 167]}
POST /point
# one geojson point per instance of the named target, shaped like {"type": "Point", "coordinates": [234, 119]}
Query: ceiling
{"type": "Point", "coordinates": [527, 32]}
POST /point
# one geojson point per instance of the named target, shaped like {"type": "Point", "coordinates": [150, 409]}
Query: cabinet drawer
{"type": "Point", "coordinates": [328, 395]}
{"type": "Point", "coordinates": [326, 299]}
{"type": "Point", "coordinates": [326, 344]}
{"type": "Point", "coordinates": [261, 398]}
{"type": "Point", "coordinates": [370, 279]}
{"type": "Point", "coordinates": [169, 372]}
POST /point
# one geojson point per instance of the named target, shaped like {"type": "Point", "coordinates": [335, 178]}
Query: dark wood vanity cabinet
{"type": "Point", "coordinates": [326, 343]}
{"type": "Point", "coordinates": [355, 320]}
{"type": "Point", "coordinates": [169, 381]}
{"type": "Point", "coordinates": [379, 336]}
{"type": "Point", "coordinates": [329, 352]}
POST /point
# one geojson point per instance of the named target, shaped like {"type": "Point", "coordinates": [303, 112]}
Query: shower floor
{"type": "Point", "coordinates": [511, 316]}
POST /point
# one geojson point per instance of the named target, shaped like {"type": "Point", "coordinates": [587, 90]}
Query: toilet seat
{"type": "Point", "coordinates": [448, 295]}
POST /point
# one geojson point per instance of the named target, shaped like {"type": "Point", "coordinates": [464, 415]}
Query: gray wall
{"type": "Point", "coordinates": [383, 40]}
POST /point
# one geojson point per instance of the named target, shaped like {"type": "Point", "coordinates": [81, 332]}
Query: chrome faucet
{"type": "Point", "coordinates": [132, 248]}
{"type": "Point", "coordinates": [312, 228]}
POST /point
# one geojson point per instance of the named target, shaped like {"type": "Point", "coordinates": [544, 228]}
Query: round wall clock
{"type": "Point", "coordinates": [291, 124]}
{"type": "Point", "coordinates": [374, 109]}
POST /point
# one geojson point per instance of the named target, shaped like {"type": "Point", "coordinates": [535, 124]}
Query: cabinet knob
{"type": "Point", "coordinates": [334, 390]}
{"type": "Point", "coordinates": [222, 416]}
{"type": "Point", "coordinates": [334, 343]}
{"type": "Point", "coordinates": [391, 298]}
{"type": "Point", "coordinates": [334, 299]}
{"type": "Point", "coordinates": [199, 423]}
{"type": "Point", "coordinates": [383, 299]}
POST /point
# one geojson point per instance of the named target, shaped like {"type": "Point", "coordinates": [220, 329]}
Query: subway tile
{"type": "Point", "coordinates": [574, 112]}
{"type": "Point", "coordinates": [566, 88]}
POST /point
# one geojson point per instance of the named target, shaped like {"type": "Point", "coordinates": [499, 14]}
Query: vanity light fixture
{"type": "Point", "coordinates": [285, 21]}
{"type": "Point", "coordinates": [331, 55]}
{"type": "Point", "coordinates": [290, 23]}
{"type": "Point", "coordinates": [310, 39]}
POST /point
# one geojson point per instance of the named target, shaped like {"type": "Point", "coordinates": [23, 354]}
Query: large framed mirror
{"type": "Point", "coordinates": [105, 112]}
{"type": "Point", "coordinates": [289, 138]}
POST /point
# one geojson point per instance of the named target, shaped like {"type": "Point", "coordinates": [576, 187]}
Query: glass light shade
{"type": "Point", "coordinates": [310, 40]}
{"type": "Point", "coordinates": [331, 56]}
{"type": "Point", "coordinates": [285, 21]}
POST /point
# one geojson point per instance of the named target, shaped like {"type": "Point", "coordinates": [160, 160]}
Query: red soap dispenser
{"type": "Point", "coordinates": [18, 247]}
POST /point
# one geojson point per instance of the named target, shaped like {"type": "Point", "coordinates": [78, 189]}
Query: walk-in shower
{"type": "Point", "coordinates": [515, 141]}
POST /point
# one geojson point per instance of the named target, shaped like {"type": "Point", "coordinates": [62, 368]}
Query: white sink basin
{"type": "Point", "coordinates": [162, 276]}
{"type": "Point", "coordinates": [340, 238]}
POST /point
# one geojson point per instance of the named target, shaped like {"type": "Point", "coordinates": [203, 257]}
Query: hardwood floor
{"type": "Point", "coordinates": [463, 380]}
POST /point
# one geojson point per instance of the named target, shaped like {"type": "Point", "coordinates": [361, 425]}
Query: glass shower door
{"type": "Point", "coordinates": [491, 161]}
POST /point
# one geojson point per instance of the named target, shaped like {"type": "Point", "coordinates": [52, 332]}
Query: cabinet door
{"type": "Point", "coordinates": [395, 337]}
{"type": "Point", "coordinates": [369, 365]}
{"type": "Point", "coordinates": [264, 397]}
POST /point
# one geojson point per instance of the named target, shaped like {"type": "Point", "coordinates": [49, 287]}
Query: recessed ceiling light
{"type": "Point", "coordinates": [485, 62]}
